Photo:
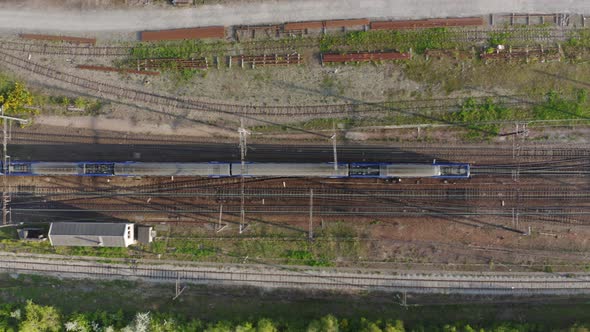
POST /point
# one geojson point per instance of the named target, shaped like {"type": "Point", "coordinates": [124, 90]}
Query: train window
{"type": "Point", "coordinates": [453, 170]}
{"type": "Point", "coordinates": [101, 169]}
{"type": "Point", "coordinates": [20, 168]}
{"type": "Point", "coordinates": [364, 170]}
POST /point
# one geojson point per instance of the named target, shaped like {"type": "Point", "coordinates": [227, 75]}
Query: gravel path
{"type": "Point", "coordinates": [282, 11]}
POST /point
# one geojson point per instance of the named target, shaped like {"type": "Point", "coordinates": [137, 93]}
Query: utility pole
{"type": "Point", "coordinates": [243, 149]}
{"type": "Point", "coordinates": [177, 289]}
{"type": "Point", "coordinates": [5, 165]}
{"type": "Point", "coordinates": [310, 214]}
{"type": "Point", "coordinates": [334, 136]}
{"type": "Point", "coordinates": [220, 226]}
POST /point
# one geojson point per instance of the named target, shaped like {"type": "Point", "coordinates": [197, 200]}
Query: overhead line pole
{"type": "Point", "coordinates": [310, 214]}
{"type": "Point", "coordinates": [243, 149]}
{"type": "Point", "coordinates": [334, 147]}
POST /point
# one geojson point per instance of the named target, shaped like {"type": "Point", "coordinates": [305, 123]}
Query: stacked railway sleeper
{"type": "Point", "coordinates": [527, 55]}
{"type": "Point", "coordinates": [266, 60]}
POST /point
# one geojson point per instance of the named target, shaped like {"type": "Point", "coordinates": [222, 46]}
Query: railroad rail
{"type": "Point", "coordinates": [383, 209]}
{"type": "Point", "coordinates": [118, 70]}
{"type": "Point", "coordinates": [183, 34]}
{"type": "Point", "coordinates": [363, 57]}
{"type": "Point", "coordinates": [103, 90]}
{"type": "Point", "coordinates": [67, 39]}
{"type": "Point", "coordinates": [66, 50]}
{"type": "Point", "coordinates": [333, 279]}
{"type": "Point", "coordinates": [527, 34]}
{"type": "Point", "coordinates": [546, 193]}
{"type": "Point", "coordinates": [428, 23]}
{"type": "Point", "coordinates": [146, 64]}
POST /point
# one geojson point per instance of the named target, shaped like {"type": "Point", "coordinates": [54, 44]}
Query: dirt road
{"type": "Point", "coordinates": [250, 13]}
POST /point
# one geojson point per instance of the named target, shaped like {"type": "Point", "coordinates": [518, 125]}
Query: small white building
{"type": "Point", "coordinates": [91, 234]}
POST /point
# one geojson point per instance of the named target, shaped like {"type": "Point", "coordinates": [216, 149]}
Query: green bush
{"type": "Point", "coordinates": [557, 106]}
{"type": "Point", "coordinates": [474, 115]}
{"type": "Point", "coordinates": [418, 40]}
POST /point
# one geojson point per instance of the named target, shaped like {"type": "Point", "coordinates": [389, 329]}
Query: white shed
{"type": "Point", "coordinates": [91, 234]}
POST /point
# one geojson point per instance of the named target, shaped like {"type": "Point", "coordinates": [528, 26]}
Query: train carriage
{"type": "Point", "coordinates": [222, 169]}
{"type": "Point", "coordinates": [211, 169]}
{"type": "Point", "coordinates": [291, 169]}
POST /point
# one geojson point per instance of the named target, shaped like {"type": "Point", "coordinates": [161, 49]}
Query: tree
{"type": "Point", "coordinates": [368, 326]}
{"type": "Point", "coordinates": [14, 99]}
{"type": "Point", "coordinates": [395, 326]}
{"type": "Point", "coordinates": [325, 324]}
{"type": "Point", "coordinates": [40, 319]}
{"type": "Point", "coordinates": [265, 325]}
{"type": "Point", "coordinates": [221, 326]}
{"type": "Point", "coordinates": [245, 327]}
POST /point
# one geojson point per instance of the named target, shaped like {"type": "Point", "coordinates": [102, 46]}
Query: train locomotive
{"type": "Point", "coordinates": [251, 169]}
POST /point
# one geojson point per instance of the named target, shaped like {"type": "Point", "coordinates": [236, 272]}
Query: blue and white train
{"type": "Point", "coordinates": [228, 169]}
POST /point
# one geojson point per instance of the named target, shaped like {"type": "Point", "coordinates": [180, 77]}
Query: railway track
{"type": "Point", "coordinates": [454, 193]}
{"type": "Point", "coordinates": [424, 282]}
{"type": "Point", "coordinates": [106, 91]}
{"type": "Point", "coordinates": [243, 48]}
{"type": "Point", "coordinates": [528, 34]}
{"type": "Point", "coordinates": [381, 209]}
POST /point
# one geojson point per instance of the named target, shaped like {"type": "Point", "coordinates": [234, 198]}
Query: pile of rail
{"type": "Point", "coordinates": [429, 23]}
{"type": "Point", "coordinates": [268, 60]}
{"type": "Point", "coordinates": [118, 70]}
{"type": "Point", "coordinates": [147, 64]}
{"type": "Point", "coordinates": [180, 34]}
{"type": "Point", "coordinates": [363, 57]}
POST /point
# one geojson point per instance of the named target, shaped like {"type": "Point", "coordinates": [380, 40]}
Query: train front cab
{"type": "Point", "coordinates": [19, 168]}
{"type": "Point", "coordinates": [454, 170]}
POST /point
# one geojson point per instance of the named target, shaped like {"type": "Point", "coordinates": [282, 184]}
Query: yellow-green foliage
{"type": "Point", "coordinates": [14, 99]}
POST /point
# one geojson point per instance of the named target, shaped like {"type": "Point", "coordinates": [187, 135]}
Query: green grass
{"type": "Point", "coordinates": [417, 40]}
{"type": "Point", "coordinates": [557, 106]}
{"type": "Point", "coordinates": [95, 252]}
{"type": "Point", "coordinates": [8, 233]}
{"type": "Point", "coordinates": [295, 308]}
{"type": "Point", "coordinates": [182, 50]}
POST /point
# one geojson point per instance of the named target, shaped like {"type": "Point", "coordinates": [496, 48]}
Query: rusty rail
{"type": "Point", "coordinates": [118, 70]}
{"type": "Point", "coordinates": [364, 57]}
{"type": "Point", "coordinates": [215, 32]}
{"type": "Point", "coordinates": [146, 64]}
{"type": "Point", "coordinates": [429, 23]}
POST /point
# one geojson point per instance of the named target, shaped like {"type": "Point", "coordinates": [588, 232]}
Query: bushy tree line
{"type": "Point", "coordinates": [31, 317]}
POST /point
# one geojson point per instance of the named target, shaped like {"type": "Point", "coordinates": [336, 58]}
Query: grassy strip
{"type": "Point", "coordinates": [335, 242]}
{"type": "Point", "coordinates": [115, 303]}
{"type": "Point", "coordinates": [178, 50]}
{"type": "Point", "coordinates": [403, 40]}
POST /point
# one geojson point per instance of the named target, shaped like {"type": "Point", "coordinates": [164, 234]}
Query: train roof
{"type": "Point", "coordinates": [411, 170]}
{"type": "Point", "coordinates": [291, 169]}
